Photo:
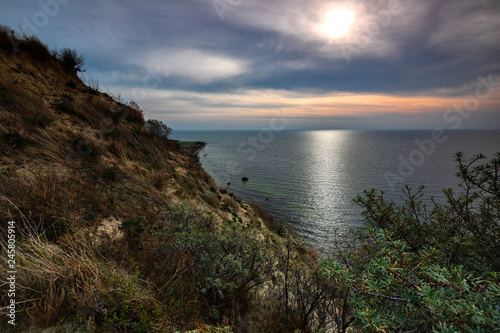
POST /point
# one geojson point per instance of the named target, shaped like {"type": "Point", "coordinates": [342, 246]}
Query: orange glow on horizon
{"type": "Point", "coordinates": [241, 106]}
{"type": "Point", "coordinates": [357, 105]}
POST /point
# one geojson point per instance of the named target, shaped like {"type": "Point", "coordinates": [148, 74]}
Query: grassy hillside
{"type": "Point", "coordinates": [119, 229]}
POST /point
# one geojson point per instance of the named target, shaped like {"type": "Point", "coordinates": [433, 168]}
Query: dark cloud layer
{"type": "Point", "coordinates": [398, 47]}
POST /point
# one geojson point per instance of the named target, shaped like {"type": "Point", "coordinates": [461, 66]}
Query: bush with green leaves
{"type": "Point", "coordinates": [210, 270]}
{"type": "Point", "coordinates": [416, 268]}
{"type": "Point", "coordinates": [207, 268]}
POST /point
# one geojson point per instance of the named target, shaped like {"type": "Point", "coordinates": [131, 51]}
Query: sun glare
{"type": "Point", "coordinates": [338, 23]}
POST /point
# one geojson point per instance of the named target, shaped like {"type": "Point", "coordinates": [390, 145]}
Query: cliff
{"type": "Point", "coordinates": [116, 229]}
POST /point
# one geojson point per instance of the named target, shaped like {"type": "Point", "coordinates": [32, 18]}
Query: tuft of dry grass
{"type": "Point", "coordinates": [55, 198]}
{"type": "Point", "coordinates": [270, 222]}
{"type": "Point", "coordinates": [211, 198]}
{"type": "Point", "coordinates": [158, 179]}
{"type": "Point", "coordinates": [135, 115]}
{"type": "Point", "coordinates": [35, 48]}
{"type": "Point", "coordinates": [7, 37]}
{"type": "Point", "coordinates": [73, 279]}
{"type": "Point", "coordinates": [232, 204]}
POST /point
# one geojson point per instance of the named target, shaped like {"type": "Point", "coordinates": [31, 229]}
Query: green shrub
{"type": "Point", "coordinates": [428, 269]}
{"type": "Point", "coordinates": [218, 266]}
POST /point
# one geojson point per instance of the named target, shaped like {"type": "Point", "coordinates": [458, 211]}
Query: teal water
{"type": "Point", "coordinates": [310, 178]}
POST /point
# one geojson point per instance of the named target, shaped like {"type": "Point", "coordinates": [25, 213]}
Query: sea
{"type": "Point", "coordinates": [310, 178]}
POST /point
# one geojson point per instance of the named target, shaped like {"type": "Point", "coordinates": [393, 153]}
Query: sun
{"type": "Point", "coordinates": [338, 23]}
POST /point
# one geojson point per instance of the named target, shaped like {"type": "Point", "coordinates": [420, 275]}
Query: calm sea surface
{"type": "Point", "coordinates": [310, 178]}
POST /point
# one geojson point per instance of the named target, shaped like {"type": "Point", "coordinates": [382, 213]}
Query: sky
{"type": "Point", "coordinates": [318, 64]}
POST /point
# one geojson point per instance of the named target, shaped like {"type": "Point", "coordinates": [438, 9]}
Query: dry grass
{"type": "Point", "coordinates": [158, 179]}
{"type": "Point", "coordinates": [55, 280]}
{"type": "Point", "coordinates": [270, 222]}
{"type": "Point", "coordinates": [56, 198]}
{"type": "Point", "coordinates": [232, 204]}
{"type": "Point", "coordinates": [7, 36]}
{"type": "Point", "coordinates": [35, 48]}
{"type": "Point", "coordinates": [211, 198]}
{"type": "Point", "coordinates": [134, 115]}
{"type": "Point", "coordinates": [95, 112]}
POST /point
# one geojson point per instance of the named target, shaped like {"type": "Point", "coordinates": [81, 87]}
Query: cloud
{"type": "Point", "coordinates": [376, 25]}
{"type": "Point", "coordinates": [467, 26]}
{"type": "Point", "coordinates": [195, 65]}
{"type": "Point", "coordinates": [246, 109]}
{"type": "Point", "coordinates": [401, 58]}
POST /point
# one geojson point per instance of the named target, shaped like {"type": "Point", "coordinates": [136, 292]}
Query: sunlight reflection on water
{"type": "Point", "coordinates": [311, 177]}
